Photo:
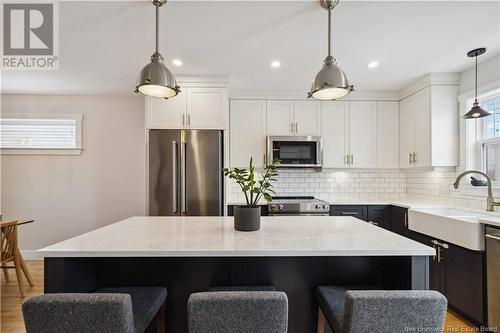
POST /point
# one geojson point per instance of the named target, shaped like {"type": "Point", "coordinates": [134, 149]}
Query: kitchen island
{"type": "Point", "coordinates": [190, 254]}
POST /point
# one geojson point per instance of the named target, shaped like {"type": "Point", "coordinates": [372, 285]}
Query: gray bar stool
{"type": "Point", "coordinates": [359, 311]}
{"type": "Point", "coordinates": [110, 310]}
{"type": "Point", "coordinates": [238, 312]}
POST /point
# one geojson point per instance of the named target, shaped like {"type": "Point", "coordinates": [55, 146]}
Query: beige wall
{"type": "Point", "coordinates": [69, 195]}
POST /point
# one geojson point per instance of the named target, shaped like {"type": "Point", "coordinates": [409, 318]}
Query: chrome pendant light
{"type": "Point", "coordinates": [476, 111]}
{"type": "Point", "coordinates": [331, 82]}
{"type": "Point", "coordinates": [155, 79]}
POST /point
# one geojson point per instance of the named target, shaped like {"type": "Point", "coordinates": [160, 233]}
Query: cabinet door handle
{"type": "Point", "coordinates": [346, 159]}
{"type": "Point", "coordinates": [265, 160]}
{"type": "Point", "coordinates": [183, 120]}
{"type": "Point", "coordinates": [189, 119]}
{"type": "Point", "coordinates": [296, 127]}
{"type": "Point", "coordinates": [350, 213]}
{"type": "Point", "coordinates": [291, 127]}
{"type": "Point", "coordinates": [414, 158]}
{"type": "Point", "coordinates": [409, 158]}
{"type": "Point", "coordinates": [371, 222]}
{"type": "Point", "coordinates": [406, 219]}
{"type": "Point", "coordinates": [439, 253]}
{"type": "Point", "coordinates": [352, 159]}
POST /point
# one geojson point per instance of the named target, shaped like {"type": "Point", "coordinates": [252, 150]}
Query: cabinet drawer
{"type": "Point", "coordinates": [360, 212]}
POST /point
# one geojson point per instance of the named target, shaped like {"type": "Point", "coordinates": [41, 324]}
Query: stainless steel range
{"type": "Point", "coordinates": [305, 206]}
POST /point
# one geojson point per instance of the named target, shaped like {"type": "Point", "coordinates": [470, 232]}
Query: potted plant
{"type": "Point", "coordinates": [247, 218]}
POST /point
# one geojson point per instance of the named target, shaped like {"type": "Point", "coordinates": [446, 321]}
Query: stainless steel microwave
{"type": "Point", "coordinates": [296, 151]}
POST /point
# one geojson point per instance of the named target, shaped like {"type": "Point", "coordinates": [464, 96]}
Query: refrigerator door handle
{"type": "Point", "coordinates": [183, 178]}
{"type": "Point", "coordinates": [174, 177]}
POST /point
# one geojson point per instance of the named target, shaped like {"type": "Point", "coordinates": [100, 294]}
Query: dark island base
{"type": "Point", "coordinates": [297, 276]}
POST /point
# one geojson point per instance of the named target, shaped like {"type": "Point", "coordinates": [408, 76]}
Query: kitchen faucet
{"type": "Point", "coordinates": [490, 203]}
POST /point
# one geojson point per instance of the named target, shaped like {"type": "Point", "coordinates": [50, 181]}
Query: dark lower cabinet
{"type": "Point", "coordinates": [358, 211]}
{"type": "Point", "coordinates": [465, 281]}
{"type": "Point", "coordinates": [263, 210]}
{"type": "Point", "coordinates": [458, 273]}
{"type": "Point", "coordinates": [399, 221]}
{"type": "Point", "coordinates": [379, 215]}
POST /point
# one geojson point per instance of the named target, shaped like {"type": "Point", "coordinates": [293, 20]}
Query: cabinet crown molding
{"type": "Point", "coordinates": [431, 79]}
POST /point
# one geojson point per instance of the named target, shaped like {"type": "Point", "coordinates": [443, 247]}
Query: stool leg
{"type": "Point", "coordinates": [24, 267]}
{"type": "Point", "coordinates": [160, 320]}
{"type": "Point", "coordinates": [19, 273]}
{"type": "Point", "coordinates": [321, 321]}
{"type": "Point", "coordinates": [6, 273]}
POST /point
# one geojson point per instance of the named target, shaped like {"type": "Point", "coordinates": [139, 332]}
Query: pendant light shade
{"type": "Point", "coordinates": [476, 111]}
{"type": "Point", "coordinates": [155, 79]}
{"type": "Point", "coordinates": [331, 82]}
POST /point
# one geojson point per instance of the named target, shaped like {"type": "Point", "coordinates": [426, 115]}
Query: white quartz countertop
{"type": "Point", "coordinates": [215, 236]}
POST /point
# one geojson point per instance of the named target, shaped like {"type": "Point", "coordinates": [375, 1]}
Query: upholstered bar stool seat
{"type": "Point", "coordinates": [111, 310]}
{"type": "Point", "coordinates": [358, 311]}
{"type": "Point", "coordinates": [238, 312]}
{"type": "Point", "coordinates": [243, 288]}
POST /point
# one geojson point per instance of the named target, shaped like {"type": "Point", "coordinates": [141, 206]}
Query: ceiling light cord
{"type": "Point", "coordinates": [329, 32]}
{"type": "Point", "coordinates": [157, 24]}
{"type": "Point", "coordinates": [476, 80]}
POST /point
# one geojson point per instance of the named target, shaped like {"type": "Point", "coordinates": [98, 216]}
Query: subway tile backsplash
{"type": "Point", "coordinates": [333, 185]}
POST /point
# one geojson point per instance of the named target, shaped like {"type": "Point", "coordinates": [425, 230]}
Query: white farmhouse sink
{"type": "Point", "coordinates": [456, 226]}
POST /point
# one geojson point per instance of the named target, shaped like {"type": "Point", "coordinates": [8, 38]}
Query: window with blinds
{"type": "Point", "coordinates": [492, 123]}
{"type": "Point", "coordinates": [40, 133]}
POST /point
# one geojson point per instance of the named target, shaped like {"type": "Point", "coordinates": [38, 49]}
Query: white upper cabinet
{"type": "Point", "coordinates": [166, 113]}
{"type": "Point", "coordinates": [406, 133]}
{"type": "Point", "coordinates": [363, 134]}
{"type": "Point", "coordinates": [335, 116]}
{"type": "Point", "coordinates": [421, 107]}
{"type": "Point", "coordinates": [293, 118]}
{"type": "Point", "coordinates": [428, 128]}
{"type": "Point", "coordinates": [207, 108]}
{"type": "Point", "coordinates": [247, 132]}
{"type": "Point", "coordinates": [193, 108]}
{"type": "Point", "coordinates": [307, 115]}
{"type": "Point", "coordinates": [387, 134]}
{"type": "Point", "coordinates": [280, 120]}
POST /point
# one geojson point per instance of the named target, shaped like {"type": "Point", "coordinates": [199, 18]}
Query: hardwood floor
{"type": "Point", "coordinates": [10, 306]}
{"type": "Point", "coordinates": [12, 320]}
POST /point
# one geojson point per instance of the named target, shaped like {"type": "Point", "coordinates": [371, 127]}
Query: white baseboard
{"type": "Point", "coordinates": [31, 255]}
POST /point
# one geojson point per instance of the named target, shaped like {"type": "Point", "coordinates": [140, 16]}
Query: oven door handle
{"type": "Point", "coordinates": [492, 237]}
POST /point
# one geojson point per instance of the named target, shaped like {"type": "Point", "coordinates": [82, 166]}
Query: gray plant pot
{"type": "Point", "coordinates": [247, 218]}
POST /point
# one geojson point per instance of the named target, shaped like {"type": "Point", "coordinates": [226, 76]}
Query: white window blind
{"type": "Point", "coordinates": [57, 134]}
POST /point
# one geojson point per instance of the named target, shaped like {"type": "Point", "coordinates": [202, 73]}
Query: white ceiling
{"type": "Point", "coordinates": [103, 45]}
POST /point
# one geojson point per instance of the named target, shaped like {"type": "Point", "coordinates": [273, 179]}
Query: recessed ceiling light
{"type": "Point", "coordinates": [373, 64]}
{"type": "Point", "coordinates": [177, 62]}
{"type": "Point", "coordinates": [275, 64]}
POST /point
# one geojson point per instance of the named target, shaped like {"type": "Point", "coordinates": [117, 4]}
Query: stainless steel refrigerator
{"type": "Point", "coordinates": [185, 172]}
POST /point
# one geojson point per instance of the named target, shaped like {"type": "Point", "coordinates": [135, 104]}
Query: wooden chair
{"type": "Point", "coordinates": [10, 253]}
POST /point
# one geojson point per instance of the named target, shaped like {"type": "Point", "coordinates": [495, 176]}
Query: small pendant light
{"type": "Point", "coordinates": [331, 82]}
{"type": "Point", "coordinates": [476, 111]}
{"type": "Point", "coordinates": [155, 79]}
